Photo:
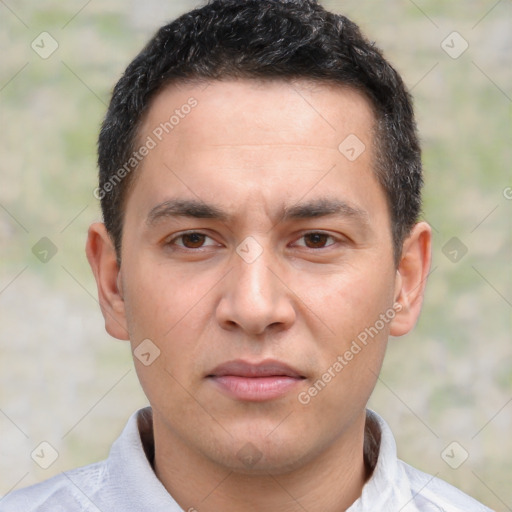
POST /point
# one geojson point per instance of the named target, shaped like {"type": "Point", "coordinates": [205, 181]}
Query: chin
{"type": "Point", "coordinates": [257, 455]}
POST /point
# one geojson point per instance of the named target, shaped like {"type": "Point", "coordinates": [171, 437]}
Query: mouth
{"type": "Point", "coordinates": [255, 382]}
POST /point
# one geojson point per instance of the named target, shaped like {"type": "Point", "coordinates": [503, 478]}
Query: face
{"type": "Point", "coordinates": [257, 259]}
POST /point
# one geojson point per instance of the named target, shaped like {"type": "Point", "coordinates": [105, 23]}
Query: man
{"type": "Point", "coordinates": [260, 182]}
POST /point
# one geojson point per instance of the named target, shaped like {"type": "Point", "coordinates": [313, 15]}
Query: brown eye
{"type": "Point", "coordinates": [192, 240]}
{"type": "Point", "coordinates": [316, 240]}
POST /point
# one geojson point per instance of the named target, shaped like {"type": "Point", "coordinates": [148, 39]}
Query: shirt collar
{"type": "Point", "coordinates": [129, 472]}
{"type": "Point", "coordinates": [129, 466]}
{"type": "Point", "coordinates": [388, 487]}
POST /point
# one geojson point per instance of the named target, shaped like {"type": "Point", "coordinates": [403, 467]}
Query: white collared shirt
{"type": "Point", "coordinates": [126, 482]}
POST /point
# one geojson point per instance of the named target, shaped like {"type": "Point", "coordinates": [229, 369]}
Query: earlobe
{"type": "Point", "coordinates": [411, 278]}
{"type": "Point", "coordinates": [102, 258]}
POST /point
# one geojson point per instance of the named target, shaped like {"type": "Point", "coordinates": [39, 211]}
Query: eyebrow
{"type": "Point", "coordinates": [323, 207]}
{"type": "Point", "coordinates": [197, 209]}
{"type": "Point", "coordinates": [184, 208]}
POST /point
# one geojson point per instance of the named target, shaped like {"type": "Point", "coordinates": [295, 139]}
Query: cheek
{"type": "Point", "coordinates": [351, 304]}
{"type": "Point", "coordinates": [347, 302]}
{"type": "Point", "coordinates": [172, 322]}
{"type": "Point", "coordinates": [353, 354]}
{"type": "Point", "coordinates": [160, 297]}
{"type": "Point", "coordinates": [173, 310]}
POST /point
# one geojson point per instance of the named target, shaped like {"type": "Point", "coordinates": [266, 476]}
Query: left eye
{"type": "Point", "coordinates": [316, 240]}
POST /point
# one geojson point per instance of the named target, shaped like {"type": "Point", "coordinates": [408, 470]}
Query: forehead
{"type": "Point", "coordinates": [259, 112]}
{"type": "Point", "coordinates": [274, 140]}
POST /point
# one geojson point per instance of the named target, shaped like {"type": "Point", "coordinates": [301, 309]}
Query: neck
{"type": "Point", "coordinates": [330, 482]}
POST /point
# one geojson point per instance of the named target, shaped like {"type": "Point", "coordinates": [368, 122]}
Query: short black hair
{"type": "Point", "coordinates": [264, 39]}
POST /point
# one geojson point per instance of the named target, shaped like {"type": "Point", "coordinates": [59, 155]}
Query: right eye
{"type": "Point", "coordinates": [191, 240]}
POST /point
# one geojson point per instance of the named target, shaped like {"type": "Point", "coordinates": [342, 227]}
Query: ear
{"type": "Point", "coordinates": [412, 273]}
{"type": "Point", "coordinates": [102, 258]}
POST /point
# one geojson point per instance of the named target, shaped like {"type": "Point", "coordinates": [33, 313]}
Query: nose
{"type": "Point", "coordinates": [255, 298]}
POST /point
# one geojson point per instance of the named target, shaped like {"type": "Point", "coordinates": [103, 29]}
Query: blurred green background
{"type": "Point", "coordinates": [65, 381]}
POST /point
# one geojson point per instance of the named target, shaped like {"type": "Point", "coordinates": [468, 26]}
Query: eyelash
{"type": "Point", "coordinates": [172, 241]}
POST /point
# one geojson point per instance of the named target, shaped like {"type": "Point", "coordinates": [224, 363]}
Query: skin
{"type": "Point", "coordinates": [254, 150]}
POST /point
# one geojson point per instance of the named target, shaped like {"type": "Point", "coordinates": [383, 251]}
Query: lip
{"type": "Point", "coordinates": [255, 382]}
